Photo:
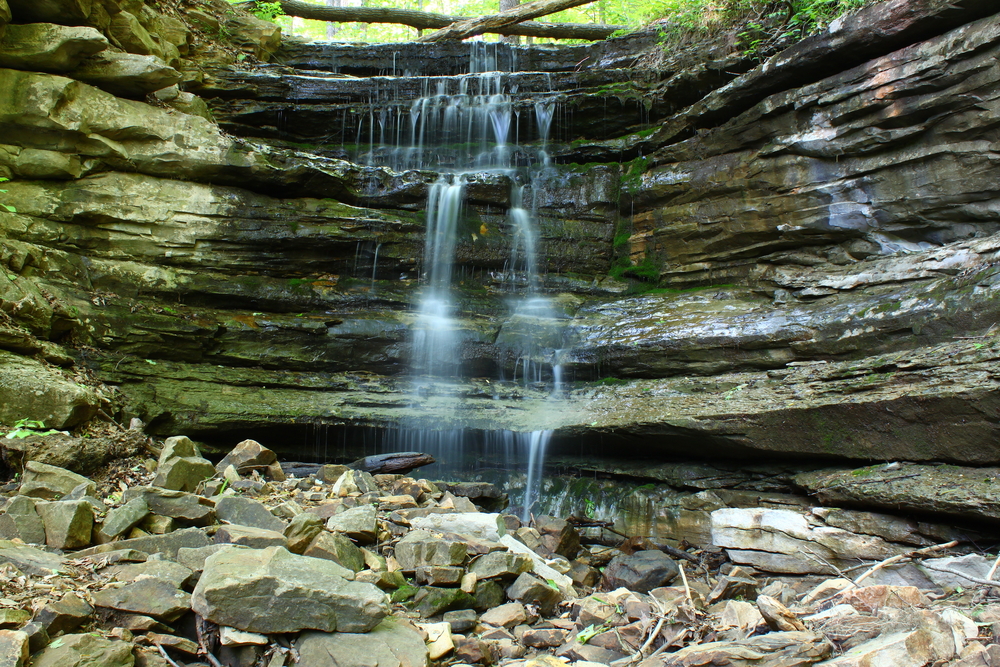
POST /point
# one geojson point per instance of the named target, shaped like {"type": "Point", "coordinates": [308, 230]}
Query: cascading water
{"type": "Point", "coordinates": [460, 126]}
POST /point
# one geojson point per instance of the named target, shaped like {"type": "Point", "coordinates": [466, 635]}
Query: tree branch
{"type": "Point", "coordinates": [433, 21]}
{"type": "Point", "coordinates": [481, 24]}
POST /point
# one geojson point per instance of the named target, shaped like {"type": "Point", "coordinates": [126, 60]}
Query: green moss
{"type": "Point", "coordinates": [611, 382]}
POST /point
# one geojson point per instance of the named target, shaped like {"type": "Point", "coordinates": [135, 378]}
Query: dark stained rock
{"type": "Point", "coordinates": [641, 572]}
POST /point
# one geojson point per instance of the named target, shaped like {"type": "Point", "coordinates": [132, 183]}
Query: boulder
{"type": "Point", "coordinates": [338, 549]}
{"type": "Point", "coordinates": [20, 521]}
{"type": "Point", "coordinates": [176, 574]}
{"type": "Point", "coordinates": [31, 389]}
{"type": "Point", "coordinates": [178, 445]}
{"type": "Point", "coordinates": [302, 530]}
{"type": "Point", "coordinates": [85, 649]}
{"type": "Point", "coordinates": [354, 482]}
{"type": "Point", "coordinates": [183, 473]}
{"type": "Point", "coordinates": [68, 523]}
{"type": "Point", "coordinates": [913, 648]}
{"type": "Point", "coordinates": [63, 615]}
{"type": "Point", "coordinates": [41, 480]}
{"type": "Point", "coordinates": [641, 572]}
{"type": "Point", "coordinates": [558, 536]}
{"type": "Point", "coordinates": [357, 523]}
{"type": "Point", "coordinates": [169, 544]}
{"type": "Point", "coordinates": [255, 36]}
{"type": "Point", "coordinates": [272, 590]}
{"type": "Point", "coordinates": [187, 507]}
{"type": "Point", "coordinates": [120, 519]}
{"type": "Point", "coordinates": [149, 596]}
{"type": "Point", "coordinates": [247, 455]}
{"type": "Point", "coordinates": [948, 572]}
{"type": "Point", "coordinates": [540, 567]}
{"type": "Point", "coordinates": [249, 536]}
{"type": "Point", "coordinates": [439, 575]}
{"type": "Point", "coordinates": [784, 541]}
{"type": "Point", "coordinates": [432, 600]}
{"type": "Point", "coordinates": [505, 616]}
{"type": "Point", "coordinates": [126, 74]}
{"type": "Point", "coordinates": [391, 642]}
{"type": "Point", "coordinates": [31, 560]}
{"type": "Point", "coordinates": [470, 524]}
{"type": "Point", "coordinates": [47, 47]}
{"type": "Point", "coordinates": [529, 589]}
{"type": "Point", "coordinates": [247, 512]}
{"type": "Point", "coordinates": [500, 564]}
{"type": "Point", "coordinates": [419, 547]}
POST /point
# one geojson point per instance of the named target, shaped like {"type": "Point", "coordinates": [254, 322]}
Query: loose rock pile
{"type": "Point", "coordinates": [237, 563]}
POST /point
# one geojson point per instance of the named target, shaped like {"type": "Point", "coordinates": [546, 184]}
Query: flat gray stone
{"type": "Point", "coordinates": [167, 545]}
{"type": "Point", "coordinates": [273, 590]}
{"type": "Point", "coordinates": [176, 574]}
{"type": "Point", "coordinates": [418, 547]}
{"type": "Point", "coordinates": [186, 507]}
{"type": "Point", "coordinates": [500, 564]}
{"type": "Point", "coordinates": [85, 650]}
{"type": "Point", "coordinates": [30, 560]}
{"type": "Point", "coordinates": [247, 512]}
{"type": "Point", "coordinates": [358, 523]}
{"type": "Point", "coordinates": [248, 536]}
{"type": "Point", "coordinates": [41, 480]}
{"type": "Point", "coordinates": [125, 517]}
{"type": "Point", "coordinates": [391, 644]}
{"type": "Point", "coordinates": [150, 596]}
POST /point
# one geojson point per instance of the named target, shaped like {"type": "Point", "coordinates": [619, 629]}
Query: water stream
{"type": "Point", "coordinates": [463, 127]}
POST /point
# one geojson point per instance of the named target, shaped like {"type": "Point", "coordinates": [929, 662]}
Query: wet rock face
{"type": "Point", "coordinates": [845, 217]}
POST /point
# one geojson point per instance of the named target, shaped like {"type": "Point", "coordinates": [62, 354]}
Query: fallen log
{"type": "Point", "coordinates": [479, 25]}
{"type": "Point", "coordinates": [397, 462]}
{"type": "Point", "coordinates": [433, 21]}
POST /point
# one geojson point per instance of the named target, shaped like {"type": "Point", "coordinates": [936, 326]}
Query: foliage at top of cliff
{"type": "Point", "coordinates": [764, 22]}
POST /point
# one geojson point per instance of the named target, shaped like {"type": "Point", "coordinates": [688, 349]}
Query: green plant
{"type": "Point", "coordinates": [588, 508]}
{"type": "Point", "coordinates": [268, 11]}
{"type": "Point", "coordinates": [10, 209]}
{"type": "Point", "coordinates": [27, 427]}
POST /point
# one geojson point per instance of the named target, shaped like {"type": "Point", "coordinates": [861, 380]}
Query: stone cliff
{"type": "Point", "coordinates": [797, 257]}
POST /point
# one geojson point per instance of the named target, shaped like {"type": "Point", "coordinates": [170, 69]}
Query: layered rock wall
{"type": "Point", "coordinates": [799, 260]}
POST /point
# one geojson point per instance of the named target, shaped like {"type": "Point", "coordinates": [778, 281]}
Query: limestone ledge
{"type": "Point", "coordinates": [929, 404]}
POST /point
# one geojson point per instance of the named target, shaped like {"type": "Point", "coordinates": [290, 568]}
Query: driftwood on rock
{"type": "Point", "coordinates": [396, 462]}
{"type": "Point", "coordinates": [434, 21]}
{"type": "Point", "coordinates": [481, 24]}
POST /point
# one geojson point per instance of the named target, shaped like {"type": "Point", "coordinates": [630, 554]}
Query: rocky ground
{"type": "Point", "coordinates": [179, 561]}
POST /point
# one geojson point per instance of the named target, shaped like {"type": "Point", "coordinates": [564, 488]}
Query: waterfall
{"type": "Point", "coordinates": [457, 127]}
